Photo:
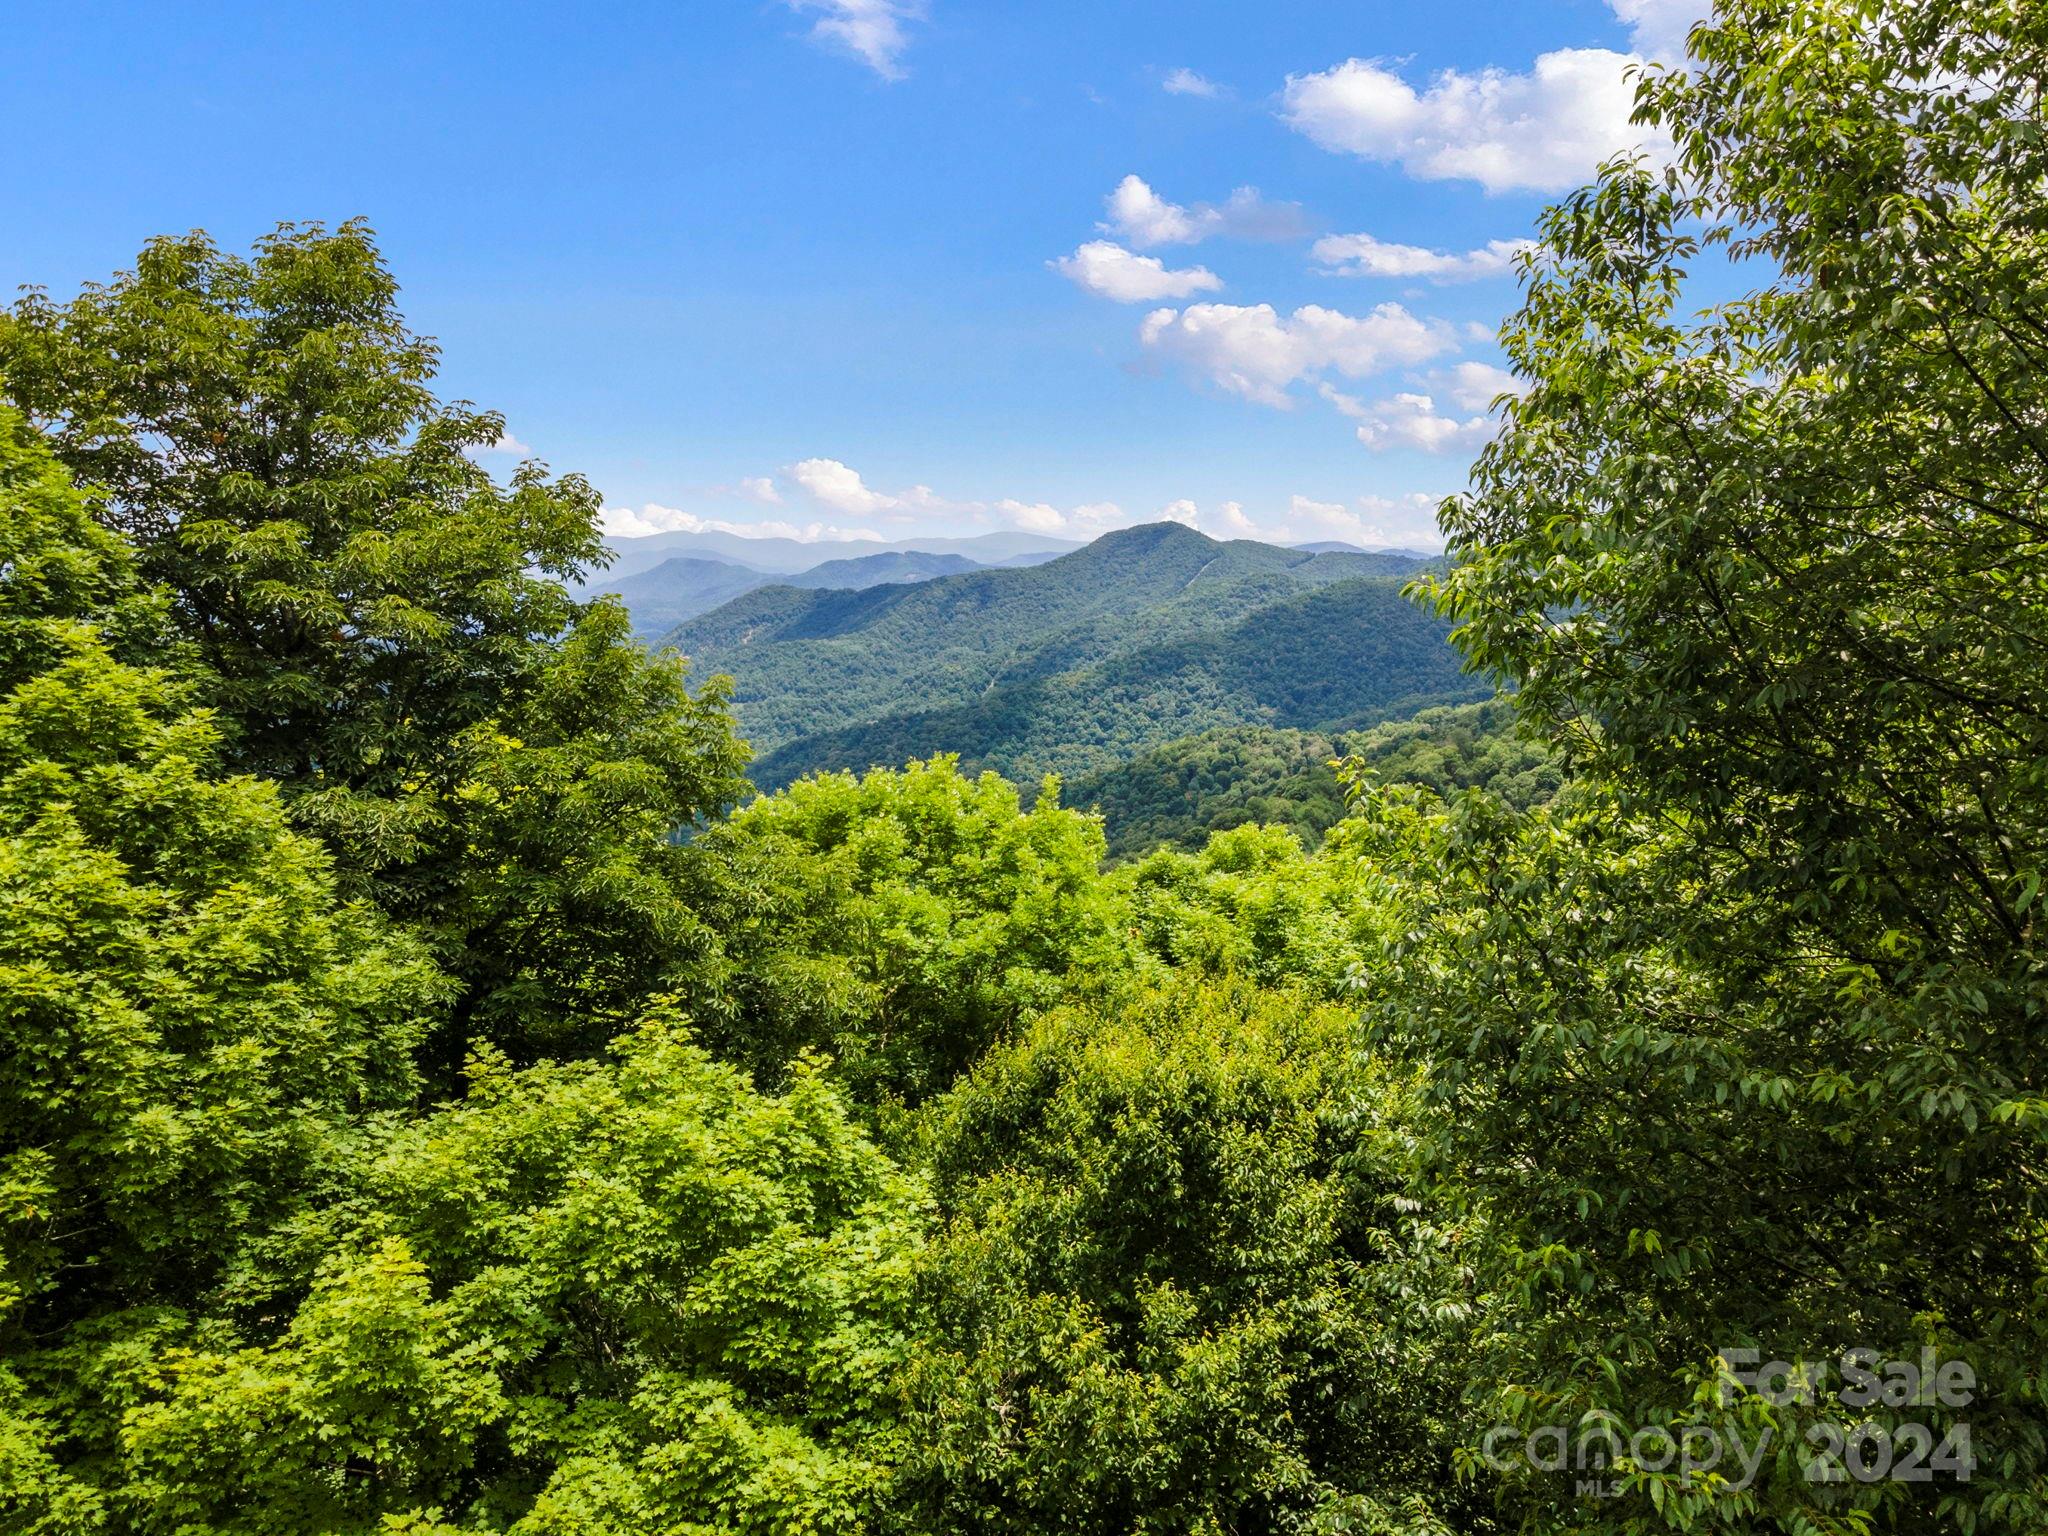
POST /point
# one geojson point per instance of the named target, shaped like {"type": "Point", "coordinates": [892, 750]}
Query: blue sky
{"type": "Point", "coordinates": [869, 266]}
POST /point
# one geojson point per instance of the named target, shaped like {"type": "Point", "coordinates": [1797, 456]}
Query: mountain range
{"type": "Point", "coordinates": [666, 578]}
{"type": "Point", "coordinates": [1077, 663]}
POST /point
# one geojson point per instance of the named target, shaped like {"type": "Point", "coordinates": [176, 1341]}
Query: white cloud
{"type": "Point", "coordinates": [1082, 522]}
{"type": "Point", "coordinates": [1372, 522]}
{"type": "Point", "coordinates": [506, 443]}
{"type": "Point", "coordinates": [1185, 82]}
{"type": "Point", "coordinates": [1142, 217]}
{"type": "Point", "coordinates": [841, 488]}
{"type": "Point", "coordinates": [1251, 351]}
{"type": "Point", "coordinates": [1033, 517]}
{"type": "Point", "coordinates": [871, 30]}
{"type": "Point", "coordinates": [1475, 386]}
{"type": "Point", "coordinates": [1365, 256]}
{"type": "Point", "coordinates": [627, 523]}
{"type": "Point", "coordinates": [1543, 131]}
{"type": "Point", "coordinates": [1407, 522]}
{"type": "Point", "coordinates": [1230, 519]}
{"type": "Point", "coordinates": [1109, 271]}
{"type": "Point", "coordinates": [1657, 28]}
{"type": "Point", "coordinates": [760, 488]}
{"type": "Point", "coordinates": [1413, 421]}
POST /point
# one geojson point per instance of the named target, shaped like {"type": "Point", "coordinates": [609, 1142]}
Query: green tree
{"type": "Point", "coordinates": [1171, 1288]}
{"type": "Point", "coordinates": [608, 1296]}
{"type": "Point", "coordinates": [904, 922]}
{"type": "Point", "coordinates": [194, 1025]}
{"type": "Point", "coordinates": [1743, 1047]}
{"type": "Point", "coordinates": [378, 625]}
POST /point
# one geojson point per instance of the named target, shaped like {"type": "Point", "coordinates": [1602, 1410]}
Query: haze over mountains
{"type": "Point", "coordinates": [790, 556]}
{"type": "Point", "coordinates": [1075, 664]}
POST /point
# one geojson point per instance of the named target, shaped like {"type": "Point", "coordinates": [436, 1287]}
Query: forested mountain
{"type": "Point", "coordinates": [1078, 663]}
{"type": "Point", "coordinates": [403, 1132]}
{"type": "Point", "coordinates": [1179, 794]}
{"type": "Point", "coordinates": [683, 586]}
{"type": "Point", "coordinates": [860, 571]}
{"type": "Point", "coordinates": [788, 557]}
{"type": "Point", "coordinates": [679, 588]}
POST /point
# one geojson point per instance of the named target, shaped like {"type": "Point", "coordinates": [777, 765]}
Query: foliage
{"type": "Point", "coordinates": [1252, 904]}
{"type": "Point", "coordinates": [1076, 664]}
{"type": "Point", "coordinates": [903, 922]}
{"type": "Point", "coordinates": [1747, 1049]}
{"type": "Point", "coordinates": [602, 1297]}
{"type": "Point", "coordinates": [384, 987]}
{"type": "Point", "coordinates": [193, 1024]}
{"type": "Point", "coordinates": [377, 625]}
{"type": "Point", "coordinates": [1175, 796]}
{"type": "Point", "coordinates": [1165, 1293]}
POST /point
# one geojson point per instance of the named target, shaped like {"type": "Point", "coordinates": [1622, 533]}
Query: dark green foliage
{"type": "Point", "coordinates": [379, 626]}
{"type": "Point", "coordinates": [1175, 796]}
{"type": "Point", "coordinates": [1745, 1046]}
{"type": "Point", "coordinates": [1468, 746]}
{"type": "Point", "coordinates": [1165, 1296]}
{"type": "Point", "coordinates": [1350, 651]}
{"type": "Point", "coordinates": [264, 431]}
{"type": "Point", "coordinates": [1074, 664]}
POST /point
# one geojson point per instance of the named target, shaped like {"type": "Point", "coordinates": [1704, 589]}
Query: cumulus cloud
{"type": "Point", "coordinates": [1371, 522]}
{"type": "Point", "coordinates": [1475, 386]}
{"type": "Point", "coordinates": [1082, 522]}
{"type": "Point", "coordinates": [1543, 131]}
{"type": "Point", "coordinates": [835, 485]}
{"type": "Point", "coordinates": [1143, 218]}
{"type": "Point", "coordinates": [1107, 270]}
{"type": "Point", "coordinates": [1250, 350]}
{"type": "Point", "coordinates": [1658, 28]}
{"type": "Point", "coordinates": [870, 30]}
{"type": "Point", "coordinates": [840, 487]}
{"type": "Point", "coordinates": [1185, 82]}
{"type": "Point", "coordinates": [632, 523]}
{"type": "Point", "coordinates": [1366, 256]}
{"type": "Point", "coordinates": [506, 443]}
{"type": "Point", "coordinates": [760, 488]}
{"type": "Point", "coordinates": [1413, 421]}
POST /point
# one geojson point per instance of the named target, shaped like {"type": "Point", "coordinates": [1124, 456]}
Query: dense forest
{"type": "Point", "coordinates": [436, 1096]}
{"type": "Point", "coordinates": [683, 586]}
{"type": "Point", "coordinates": [1177, 795]}
{"type": "Point", "coordinates": [1076, 665]}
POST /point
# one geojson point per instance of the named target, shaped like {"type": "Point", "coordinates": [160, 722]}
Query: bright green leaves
{"type": "Point", "coordinates": [625, 1295]}
{"type": "Point", "coordinates": [188, 1012]}
{"type": "Point", "coordinates": [903, 922]}
{"type": "Point", "coordinates": [1162, 1300]}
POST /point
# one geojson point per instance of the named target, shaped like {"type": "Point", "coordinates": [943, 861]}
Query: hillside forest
{"type": "Point", "coordinates": [439, 1093]}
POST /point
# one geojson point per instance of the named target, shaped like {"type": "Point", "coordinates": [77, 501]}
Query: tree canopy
{"type": "Point", "coordinates": [428, 1105]}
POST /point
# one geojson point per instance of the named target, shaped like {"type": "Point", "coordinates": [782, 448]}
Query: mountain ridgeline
{"type": "Point", "coordinates": [1146, 635]}
{"type": "Point", "coordinates": [699, 578]}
